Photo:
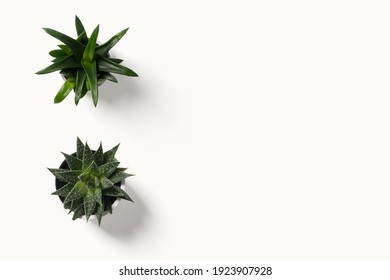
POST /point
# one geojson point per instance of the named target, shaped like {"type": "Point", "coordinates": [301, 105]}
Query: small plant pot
{"type": "Point", "coordinates": [59, 184]}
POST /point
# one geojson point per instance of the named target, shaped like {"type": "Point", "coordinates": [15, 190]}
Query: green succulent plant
{"type": "Point", "coordinates": [84, 64]}
{"type": "Point", "coordinates": [88, 182]}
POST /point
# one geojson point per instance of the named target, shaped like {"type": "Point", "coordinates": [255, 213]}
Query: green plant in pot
{"type": "Point", "coordinates": [88, 182]}
{"type": "Point", "coordinates": [83, 63]}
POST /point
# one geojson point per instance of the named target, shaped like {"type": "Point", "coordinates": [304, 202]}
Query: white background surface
{"type": "Point", "coordinates": [257, 129]}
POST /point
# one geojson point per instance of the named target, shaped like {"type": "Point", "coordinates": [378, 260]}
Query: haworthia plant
{"type": "Point", "coordinates": [90, 182]}
{"type": "Point", "coordinates": [84, 64]}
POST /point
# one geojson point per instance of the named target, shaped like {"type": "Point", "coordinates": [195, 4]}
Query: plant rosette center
{"type": "Point", "coordinates": [88, 182]}
{"type": "Point", "coordinates": [84, 63]}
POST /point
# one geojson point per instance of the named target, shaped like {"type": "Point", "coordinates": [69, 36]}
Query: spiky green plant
{"type": "Point", "coordinates": [90, 181]}
{"type": "Point", "coordinates": [84, 64]}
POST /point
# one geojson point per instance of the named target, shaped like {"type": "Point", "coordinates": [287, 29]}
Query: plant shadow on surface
{"type": "Point", "coordinates": [127, 93]}
{"type": "Point", "coordinates": [126, 218]}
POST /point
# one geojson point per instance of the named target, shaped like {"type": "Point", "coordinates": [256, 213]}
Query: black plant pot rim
{"type": "Point", "coordinates": [59, 184]}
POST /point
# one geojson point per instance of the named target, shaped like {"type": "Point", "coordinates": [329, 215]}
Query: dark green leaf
{"type": "Point", "coordinates": [64, 191]}
{"type": "Point", "coordinates": [85, 90]}
{"type": "Point", "coordinates": [78, 213]}
{"type": "Point", "coordinates": [73, 162]}
{"type": "Point", "coordinates": [80, 80]}
{"type": "Point", "coordinates": [108, 76]}
{"type": "Point", "coordinates": [81, 31]}
{"type": "Point", "coordinates": [63, 63]}
{"type": "Point", "coordinates": [108, 168]}
{"type": "Point", "coordinates": [116, 60]}
{"type": "Point", "coordinates": [97, 195]}
{"type": "Point", "coordinates": [117, 192]}
{"type": "Point", "coordinates": [99, 213]}
{"type": "Point", "coordinates": [65, 89]}
{"type": "Point", "coordinates": [125, 195]}
{"type": "Point", "coordinates": [76, 47]}
{"type": "Point", "coordinates": [112, 192]}
{"type": "Point", "coordinates": [68, 204]}
{"type": "Point", "coordinates": [106, 65]}
{"type": "Point", "coordinates": [65, 49]}
{"type": "Point", "coordinates": [77, 203]}
{"type": "Point", "coordinates": [82, 38]}
{"type": "Point", "coordinates": [106, 183]}
{"type": "Point", "coordinates": [78, 191]}
{"type": "Point", "coordinates": [110, 155]}
{"type": "Point", "coordinates": [89, 52]}
{"type": "Point", "coordinates": [107, 46]}
{"type": "Point", "coordinates": [101, 81]}
{"type": "Point", "coordinates": [94, 169]}
{"type": "Point", "coordinates": [80, 149]}
{"type": "Point", "coordinates": [87, 156]}
{"type": "Point", "coordinates": [57, 53]}
{"type": "Point", "coordinates": [89, 204]}
{"type": "Point", "coordinates": [98, 155]}
{"type": "Point", "coordinates": [91, 71]}
{"type": "Point", "coordinates": [66, 175]}
{"type": "Point", "coordinates": [119, 176]}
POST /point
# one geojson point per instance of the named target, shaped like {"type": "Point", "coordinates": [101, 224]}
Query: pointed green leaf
{"type": "Point", "coordinates": [98, 155]}
{"type": "Point", "coordinates": [99, 213]}
{"type": "Point", "coordinates": [85, 90]}
{"type": "Point", "coordinates": [76, 47]}
{"type": "Point", "coordinates": [79, 190]}
{"type": "Point", "coordinates": [70, 176]}
{"type": "Point", "coordinates": [67, 204]}
{"type": "Point", "coordinates": [57, 53]}
{"type": "Point", "coordinates": [90, 70]}
{"type": "Point", "coordinates": [125, 195]}
{"type": "Point", "coordinates": [110, 155]}
{"type": "Point", "coordinates": [119, 176]}
{"type": "Point", "coordinates": [89, 52]}
{"type": "Point", "coordinates": [107, 46]}
{"type": "Point", "coordinates": [82, 38]}
{"type": "Point", "coordinates": [117, 192]}
{"type": "Point", "coordinates": [89, 204]}
{"type": "Point", "coordinates": [64, 191]}
{"type": "Point", "coordinates": [81, 30]}
{"type": "Point", "coordinates": [97, 195]}
{"type": "Point", "coordinates": [73, 162]}
{"type": "Point", "coordinates": [78, 213]}
{"type": "Point", "coordinates": [87, 156]}
{"type": "Point", "coordinates": [101, 81]}
{"type": "Point", "coordinates": [80, 80]}
{"type": "Point", "coordinates": [107, 65]}
{"type": "Point", "coordinates": [65, 49]}
{"type": "Point", "coordinates": [65, 89]}
{"type": "Point", "coordinates": [77, 203]}
{"type": "Point", "coordinates": [108, 76]}
{"type": "Point", "coordinates": [63, 63]}
{"type": "Point", "coordinates": [80, 149]}
{"type": "Point", "coordinates": [106, 183]}
{"type": "Point", "coordinates": [116, 60]}
{"type": "Point", "coordinates": [108, 168]}
{"type": "Point", "coordinates": [55, 171]}
{"type": "Point", "coordinates": [94, 169]}
{"type": "Point", "coordinates": [114, 192]}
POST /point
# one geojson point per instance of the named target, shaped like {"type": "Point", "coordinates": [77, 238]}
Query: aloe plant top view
{"type": "Point", "coordinates": [90, 181]}
{"type": "Point", "coordinates": [84, 64]}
